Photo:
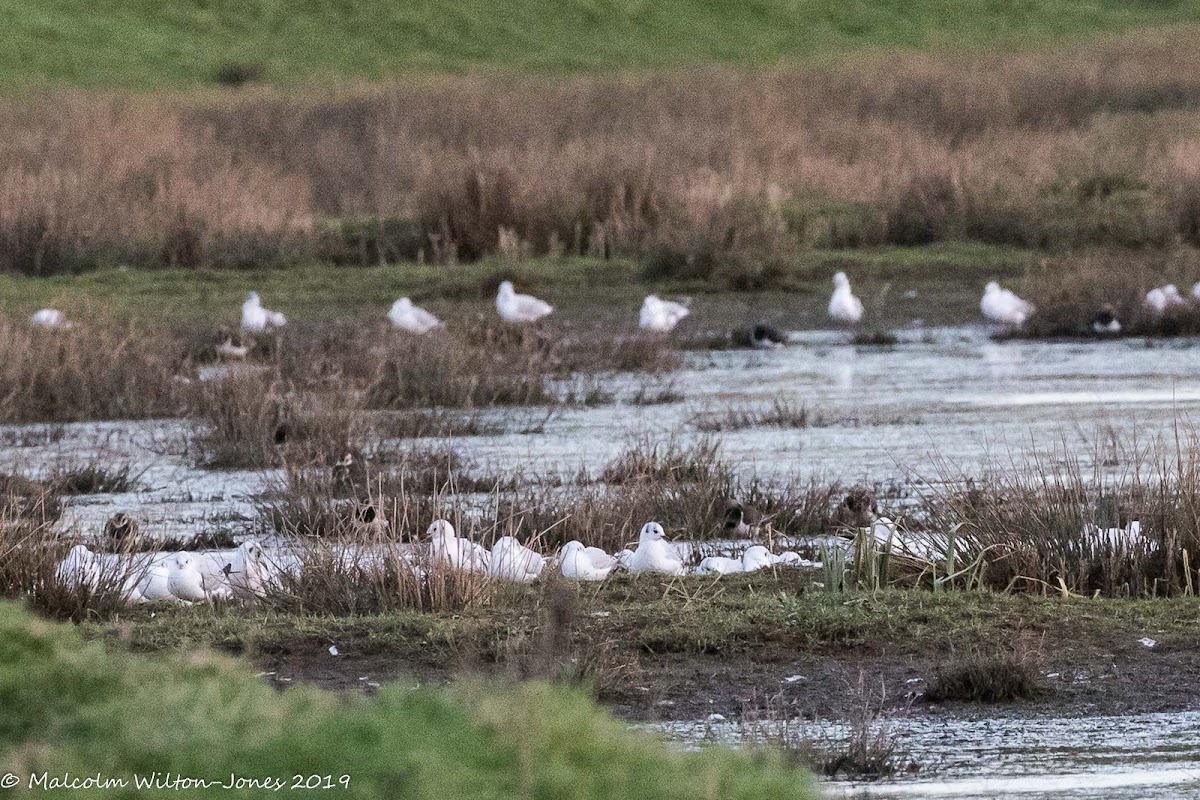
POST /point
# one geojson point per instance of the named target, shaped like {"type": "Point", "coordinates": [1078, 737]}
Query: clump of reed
{"type": "Point", "coordinates": [684, 486]}
{"type": "Point", "coordinates": [33, 436]}
{"type": "Point", "coordinates": [88, 372]}
{"type": "Point", "coordinates": [670, 460]}
{"type": "Point", "coordinates": [1051, 524]}
{"type": "Point", "coordinates": [432, 424]}
{"type": "Point", "coordinates": [23, 498]}
{"type": "Point", "coordinates": [861, 747]}
{"type": "Point", "coordinates": [250, 421]}
{"type": "Point", "coordinates": [452, 371]}
{"type": "Point", "coordinates": [350, 576]}
{"type": "Point", "coordinates": [993, 675]}
{"type": "Point", "coordinates": [31, 551]}
{"type": "Point", "coordinates": [93, 477]}
{"type": "Point", "coordinates": [782, 413]}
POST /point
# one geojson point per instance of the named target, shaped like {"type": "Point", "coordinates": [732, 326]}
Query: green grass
{"type": "Point", "coordinates": [140, 43]}
{"type": "Point", "coordinates": [737, 615]}
{"type": "Point", "coordinates": [76, 708]}
{"type": "Point", "coordinates": [316, 292]}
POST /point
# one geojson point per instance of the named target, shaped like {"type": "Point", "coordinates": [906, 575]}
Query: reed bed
{"type": "Point", "coordinates": [718, 175]}
{"type": "Point", "coordinates": [32, 547]}
{"type": "Point", "coordinates": [88, 372]}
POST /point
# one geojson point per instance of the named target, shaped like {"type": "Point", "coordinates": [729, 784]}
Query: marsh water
{"type": "Point", "coordinates": [1115, 758]}
{"type": "Point", "coordinates": [941, 402]}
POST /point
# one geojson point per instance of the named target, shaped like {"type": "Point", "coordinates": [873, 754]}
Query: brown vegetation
{"type": "Point", "coordinates": [716, 175]}
{"type": "Point", "coordinates": [1070, 292]}
{"type": "Point", "coordinates": [88, 372]}
{"type": "Point", "coordinates": [994, 675]}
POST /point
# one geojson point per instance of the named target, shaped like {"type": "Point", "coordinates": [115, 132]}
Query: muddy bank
{"type": "Point", "coordinates": [652, 652]}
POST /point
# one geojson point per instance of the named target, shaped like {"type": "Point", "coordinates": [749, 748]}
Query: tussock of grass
{"type": "Point", "coordinates": [432, 424]}
{"type": "Point", "coordinates": [782, 413]}
{"type": "Point", "coordinates": [94, 478]}
{"type": "Point", "coordinates": [35, 436]}
{"type": "Point", "coordinates": [1042, 523]}
{"type": "Point", "coordinates": [985, 676]}
{"type": "Point", "coordinates": [75, 707]}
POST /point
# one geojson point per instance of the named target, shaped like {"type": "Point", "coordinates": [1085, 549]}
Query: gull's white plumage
{"type": "Point", "coordinates": [1003, 306]}
{"type": "Point", "coordinates": [514, 307]}
{"type": "Point", "coordinates": [755, 558]}
{"type": "Point", "coordinates": [585, 563]}
{"type": "Point", "coordinates": [154, 583]}
{"type": "Point", "coordinates": [248, 572]}
{"type": "Point", "coordinates": [660, 316]}
{"type": "Point", "coordinates": [79, 568]}
{"type": "Point", "coordinates": [256, 318]}
{"type": "Point", "coordinates": [1163, 298]}
{"type": "Point", "coordinates": [411, 318]}
{"type": "Point", "coordinates": [720, 565]}
{"type": "Point", "coordinates": [513, 561]}
{"type": "Point", "coordinates": [185, 581]}
{"type": "Point", "coordinates": [654, 553]}
{"type": "Point", "coordinates": [447, 548]}
{"type": "Point", "coordinates": [49, 318]}
{"type": "Point", "coordinates": [843, 305]}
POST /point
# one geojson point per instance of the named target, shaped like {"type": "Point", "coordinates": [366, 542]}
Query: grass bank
{"type": "Point", "coordinates": [83, 709]}
{"type": "Point", "coordinates": [61, 42]}
{"type": "Point", "coordinates": [191, 299]}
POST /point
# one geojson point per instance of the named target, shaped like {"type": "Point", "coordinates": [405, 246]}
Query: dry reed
{"type": "Point", "coordinates": [716, 175]}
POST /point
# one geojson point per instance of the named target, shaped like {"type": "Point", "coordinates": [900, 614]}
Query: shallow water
{"type": "Point", "coordinates": [1116, 758]}
{"type": "Point", "coordinates": [891, 413]}
{"type": "Point", "coordinates": [940, 401]}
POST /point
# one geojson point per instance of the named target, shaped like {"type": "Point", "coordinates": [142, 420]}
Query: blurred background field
{"type": "Point", "coordinates": [141, 44]}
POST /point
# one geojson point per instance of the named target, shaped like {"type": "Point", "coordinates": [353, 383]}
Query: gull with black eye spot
{"type": "Point", "coordinates": [654, 553]}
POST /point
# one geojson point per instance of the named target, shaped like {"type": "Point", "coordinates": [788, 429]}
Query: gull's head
{"type": "Point", "coordinates": [253, 299]}
{"type": "Point", "coordinates": [250, 550]}
{"type": "Point", "coordinates": [652, 532]}
{"type": "Point", "coordinates": [991, 288]}
{"type": "Point", "coordinates": [440, 529]}
{"type": "Point", "coordinates": [506, 289]}
{"type": "Point", "coordinates": [403, 304]}
{"type": "Point", "coordinates": [183, 560]}
{"type": "Point", "coordinates": [571, 547]}
{"type": "Point", "coordinates": [840, 280]}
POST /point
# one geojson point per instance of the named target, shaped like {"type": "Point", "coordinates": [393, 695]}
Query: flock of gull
{"type": "Point", "coordinates": [998, 305]}
{"type": "Point", "coordinates": [249, 572]}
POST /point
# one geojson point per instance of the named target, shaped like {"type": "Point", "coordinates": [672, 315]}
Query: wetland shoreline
{"type": "Point", "coordinates": [655, 650]}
